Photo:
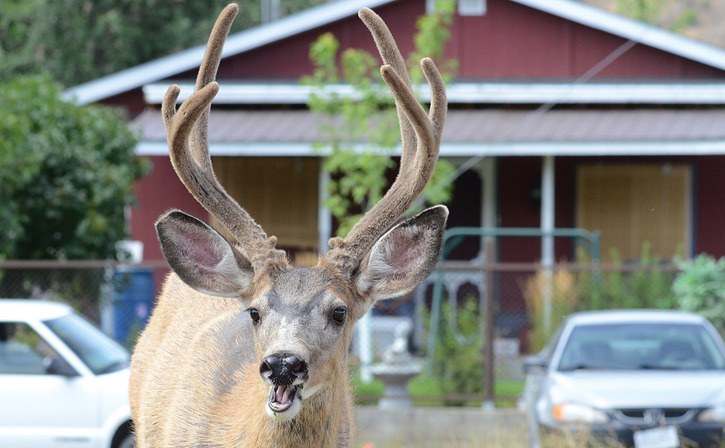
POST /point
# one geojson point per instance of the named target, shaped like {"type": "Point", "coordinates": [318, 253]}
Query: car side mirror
{"type": "Point", "coordinates": [56, 365]}
{"type": "Point", "coordinates": [535, 364]}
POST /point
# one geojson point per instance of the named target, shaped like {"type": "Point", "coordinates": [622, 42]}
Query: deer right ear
{"type": "Point", "coordinates": [201, 257]}
{"type": "Point", "coordinates": [404, 256]}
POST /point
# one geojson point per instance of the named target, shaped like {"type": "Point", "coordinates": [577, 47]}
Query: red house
{"type": "Point", "coordinates": [568, 117]}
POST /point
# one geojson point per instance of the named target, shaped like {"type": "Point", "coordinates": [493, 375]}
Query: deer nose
{"type": "Point", "coordinates": [283, 368]}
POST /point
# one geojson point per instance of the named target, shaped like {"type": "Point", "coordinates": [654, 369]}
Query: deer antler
{"type": "Point", "coordinates": [186, 131]}
{"type": "Point", "coordinates": [421, 135]}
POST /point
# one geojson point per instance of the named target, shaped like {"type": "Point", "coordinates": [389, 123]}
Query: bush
{"type": "Point", "coordinates": [565, 293]}
{"type": "Point", "coordinates": [646, 285]}
{"type": "Point", "coordinates": [458, 360]}
{"type": "Point", "coordinates": [66, 174]}
{"type": "Point", "coordinates": [700, 287]}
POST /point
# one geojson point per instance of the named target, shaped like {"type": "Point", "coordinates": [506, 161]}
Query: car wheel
{"type": "Point", "coordinates": [129, 441]}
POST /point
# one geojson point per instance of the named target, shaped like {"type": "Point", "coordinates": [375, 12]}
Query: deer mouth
{"type": "Point", "coordinates": [282, 397]}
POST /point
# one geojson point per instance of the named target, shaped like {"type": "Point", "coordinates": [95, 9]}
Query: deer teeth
{"type": "Point", "coordinates": [282, 397]}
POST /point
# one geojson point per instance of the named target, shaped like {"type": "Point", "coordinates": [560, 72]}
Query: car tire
{"type": "Point", "coordinates": [128, 441]}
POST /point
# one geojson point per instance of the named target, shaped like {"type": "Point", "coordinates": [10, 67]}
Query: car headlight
{"type": "Point", "coordinates": [577, 413]}
{"type": "Point", "coordinates": [714, 414]}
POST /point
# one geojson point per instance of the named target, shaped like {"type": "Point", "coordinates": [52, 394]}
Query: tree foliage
{"type": "Point", "coordinates": [66, 174]}
{"type": "Point", "coordinates": [363, 127]}
{"type": "Point", "coordinates": [653, 11]}
{"type": "Point", "coordinates": [77, 40]}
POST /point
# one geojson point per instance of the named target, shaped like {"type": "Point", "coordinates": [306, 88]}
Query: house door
{"type": "Point", "coordinates": [634, 205]}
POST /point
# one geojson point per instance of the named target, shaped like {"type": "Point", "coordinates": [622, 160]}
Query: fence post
{"type": "Point", "coordinates": [490, 333]}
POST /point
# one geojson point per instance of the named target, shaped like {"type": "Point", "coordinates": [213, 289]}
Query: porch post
{"type": "Point", "coordinates": [489, 206]}
{"type": "Point", "coordinates": [324, 217]}
{"type": "Point", "coordinates": [547, 239]}
{"type": "Point", "coordinates": [489, 256]}
{"type": "Point", "coordinates": [324, 231]}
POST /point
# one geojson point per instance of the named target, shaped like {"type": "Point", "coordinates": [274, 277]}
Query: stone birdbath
{"type": "Point", "coordinates": [398, 367]}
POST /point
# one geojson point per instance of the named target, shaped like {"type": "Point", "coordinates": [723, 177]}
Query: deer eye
{"type": "Point", "coordinates": [254, 314]}
{"type": "Point", "coordinates": [339, 314]}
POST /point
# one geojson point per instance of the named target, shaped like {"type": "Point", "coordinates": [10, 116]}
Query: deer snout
{"type": "Point", "coordinates": [283, 368]}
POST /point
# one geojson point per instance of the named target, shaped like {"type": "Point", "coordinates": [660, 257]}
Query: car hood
{"type": "Point", "coordinates": [628, 389]}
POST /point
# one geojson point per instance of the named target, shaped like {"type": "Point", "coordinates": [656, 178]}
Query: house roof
{"type": "Point", "coordinates": [256, 37]}
{"type": "Point", "coordinates": [134, 77]}
{"type": "Point", "coordinates": [492, 132]}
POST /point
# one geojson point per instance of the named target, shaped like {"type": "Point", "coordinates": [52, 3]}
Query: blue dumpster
{"type": "Point", "coordinates": [133, 299]}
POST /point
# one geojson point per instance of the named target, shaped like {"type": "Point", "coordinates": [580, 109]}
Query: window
{"type": "Point", "coordinates": [22, 350]}
{"type": "Point", "coordinates": [636, 204]}
{"type": "Point", "coordinates": [663, 346]}
{"type": "Point", "coordinates": [100, 353]}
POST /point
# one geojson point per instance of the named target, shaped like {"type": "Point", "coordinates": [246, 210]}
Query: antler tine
{"type": "Point", "coordinates": [187, 133]}
{"type": "Point", "coordinates": [418, 159]}
{"type": "Point", "coordinates": [199, 143]}
{"type": "Point", "coordinates": [390, 54]}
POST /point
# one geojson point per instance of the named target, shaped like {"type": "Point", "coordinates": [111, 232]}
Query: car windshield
{"type": "Point", "coordinates": [99, 352]}
{"type": "Point", "coordinates": [655, 346]}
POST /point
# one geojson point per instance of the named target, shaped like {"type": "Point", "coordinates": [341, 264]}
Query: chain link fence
{"type": "Point", "coordinates": [117, 297]}
{"type": "Point", "coordinates": [473, 322]}
{"type": "Point", "coordinates": [468, 345]}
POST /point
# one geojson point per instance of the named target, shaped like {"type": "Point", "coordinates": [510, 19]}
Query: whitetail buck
{"type": "Point", "coordinates": [244, 350]}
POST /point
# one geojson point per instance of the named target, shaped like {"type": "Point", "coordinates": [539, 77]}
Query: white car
{"type": "Point", "coordinates": [647, 378]}
{"type": "Point", "coordinates": [63, 383]}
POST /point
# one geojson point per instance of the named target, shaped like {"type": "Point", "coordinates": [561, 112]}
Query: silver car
{"type": "Point", "coordinates": [644, 378]}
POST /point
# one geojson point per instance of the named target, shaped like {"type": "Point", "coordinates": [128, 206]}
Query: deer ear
{"type": "Point", "coordinates": [201, 257]}
{"type": "Point", "coordinates": [404, 256]}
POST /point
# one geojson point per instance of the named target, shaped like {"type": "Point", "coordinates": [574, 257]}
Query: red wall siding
{"type": "Point", "coordinates": [510, 42]}
{"type": "Point", "coordinates": [158, 192]}
{"type": "Point", "coordinates": [131, 103]}
{"type": "Point", "coordinates": [519, 181]}
{"type": "Point", "coordinates": [709, 206]}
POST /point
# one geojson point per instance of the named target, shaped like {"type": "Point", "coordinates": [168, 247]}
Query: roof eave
{"type": "Point", "coordinates": [682, 93]}
{"type": "Point", "coordinates": [473, 149]}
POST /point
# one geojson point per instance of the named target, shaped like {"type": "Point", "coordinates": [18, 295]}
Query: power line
{"type": "Point", "coordinates": [534, 115]}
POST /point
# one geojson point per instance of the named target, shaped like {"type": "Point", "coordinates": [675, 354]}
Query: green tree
{"type": "Point", "coordinates": [78, 40]}
{"type": "Point", "coordinates": [367, 118]}
{"type": "Point", "coordinates": [66, 174]}
{"type": "Point", "coordinates": [652, 11]}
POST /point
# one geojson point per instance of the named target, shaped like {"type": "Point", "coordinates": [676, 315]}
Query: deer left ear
{"type": "Point", "coordinates": [404, 256]}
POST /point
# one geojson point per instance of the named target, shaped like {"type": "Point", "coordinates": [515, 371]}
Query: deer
{"type": "Point", "coordinates": [243, 349]}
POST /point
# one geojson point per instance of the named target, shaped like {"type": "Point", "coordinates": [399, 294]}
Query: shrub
{"type": "Point", "coordinates": [645, 285]}
{"type": "Point", "coordinates": [458, 359]}
{"type": "Point", "coordinates": [700, 287]}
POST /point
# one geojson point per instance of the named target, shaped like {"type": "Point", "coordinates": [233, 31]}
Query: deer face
{"type": "Point", "coordinates": [302, 318]}
{"type": "Point", "coordinates": [302, 327]}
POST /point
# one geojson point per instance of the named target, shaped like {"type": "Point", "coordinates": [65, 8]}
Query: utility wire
{"type": "Point", "coordinates": [535, 114]}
